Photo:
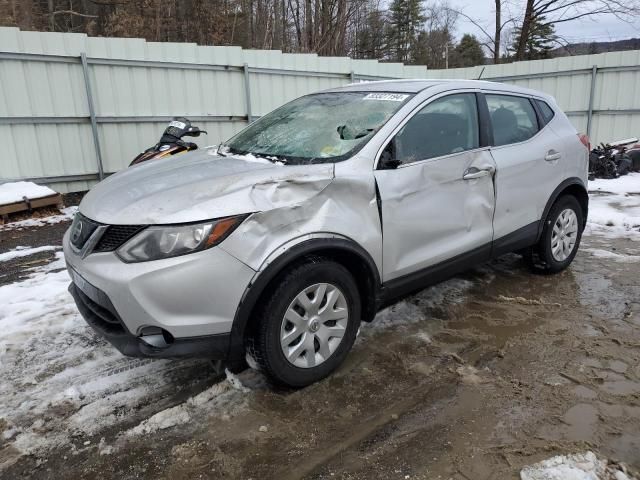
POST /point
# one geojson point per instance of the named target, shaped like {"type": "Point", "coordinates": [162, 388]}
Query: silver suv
{"type": "Point", "coordinates": [279, 242]}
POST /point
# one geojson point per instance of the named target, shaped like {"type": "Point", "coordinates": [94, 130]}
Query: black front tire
{"type": "Point", "coordinates": [263, 342]}
{"type": "Point", "coordinates": [540, 257]}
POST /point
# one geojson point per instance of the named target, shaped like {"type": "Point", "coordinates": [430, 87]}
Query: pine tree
{"type": "Point", "coordinates": [539, 41]}
{"type": "Point", "coordinates": [432, 47]}
{"type": "Point", "coordinates": [406, 17]}
{"type": "Point", "coordinates": [469, 52]}
{"type": "Point", "coordinates": [371, 40]}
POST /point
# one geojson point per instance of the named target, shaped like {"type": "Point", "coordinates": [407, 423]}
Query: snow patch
{"type": "Point", "coordinates": [614, 207]}
{"type": "Point", "coordinates": [580, 466]}
{"type": "Point", "coordinates": [220, 397]}
{"type": "Point", "coordinates": [15, 191]}
{"type": "Point", "coordinates": [25, 252]}
{"type": "Point", "coordinates": [66, 214]}
{"type": "Point", "coordinates": [235, 382]}
{"type": "Point", "coordinates": [629, 183]}
{"type": "Point", "coordinates": [249, 157]}
{"type": "Point", "coordinates": [414, 309]}
{"type": "Point", "coordinates": [103, 448]}
{"type": "Point", "coordinates": [424, 336]}
{"type": "Point", "coordinates": [54, 367]}
{"type": "Point", "coordinates": [618, 257]}
{"type": "Point", "coordinates": [270, 160]}
{"type": "Point", "coordinates": [469, 375]}
{"type": "Point", "coordinates": [166, 418]}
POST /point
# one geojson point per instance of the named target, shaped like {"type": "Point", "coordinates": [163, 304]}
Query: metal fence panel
{"type": "Point", "coordinates": [135, 87]}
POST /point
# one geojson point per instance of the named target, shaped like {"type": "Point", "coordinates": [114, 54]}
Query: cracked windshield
{"type": "Point", "coordinates": [325, 127]}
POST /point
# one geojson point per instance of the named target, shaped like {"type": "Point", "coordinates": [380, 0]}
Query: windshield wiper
{"type": "Point", "coordinates": [223, 150]}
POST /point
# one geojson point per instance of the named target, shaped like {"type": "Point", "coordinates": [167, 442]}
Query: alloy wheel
{"type": "Point", "coordinates": [564, 235]}
{"type": "Point", "coordinates": [314, 324]}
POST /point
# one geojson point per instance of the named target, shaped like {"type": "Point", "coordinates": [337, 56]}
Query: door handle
{"type": "Point", "coordinates": [552, 155]}
{"type": "Point", "coordinates": [473, 173]}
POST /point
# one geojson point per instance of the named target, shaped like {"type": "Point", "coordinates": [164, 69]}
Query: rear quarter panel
{"type": "Point", "coordinates": [575, 158]}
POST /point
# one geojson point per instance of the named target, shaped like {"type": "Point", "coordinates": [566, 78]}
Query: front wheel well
{"type": "Point", "coordinates": [357, 262]}
{"type": "Point", "coordinates": [367, 282]}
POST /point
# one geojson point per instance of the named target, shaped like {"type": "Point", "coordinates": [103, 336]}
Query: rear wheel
{"type": "Point", "coordinates": [308, 323]}
{"type": "Point", "coordinates": [560, 238]}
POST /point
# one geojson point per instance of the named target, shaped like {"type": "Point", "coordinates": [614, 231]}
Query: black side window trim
{"type": "Point", "coordinates": [541, 121]}
{"type": "Point", "coordinates": [484, 121]}
{"type": "Point", "coordinates": [538, 113]}
{"type": "Point", "coordinates": [536, 108]}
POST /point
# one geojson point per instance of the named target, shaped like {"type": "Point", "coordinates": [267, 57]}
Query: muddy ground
{"type": "Point", "coordinates": [508, 369]}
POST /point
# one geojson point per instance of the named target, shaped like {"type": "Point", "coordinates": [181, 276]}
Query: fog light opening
{"type": "Point", "coordinates": [167, 337]}
{"type": "Point", "coordinates": [156, 337]}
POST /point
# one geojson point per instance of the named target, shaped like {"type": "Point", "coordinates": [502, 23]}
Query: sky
{"type": "Point", "coordinates": [599, 29]}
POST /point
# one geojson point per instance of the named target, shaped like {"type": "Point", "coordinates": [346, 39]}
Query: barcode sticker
{"type": "Point", "coordinates": [390, 97]}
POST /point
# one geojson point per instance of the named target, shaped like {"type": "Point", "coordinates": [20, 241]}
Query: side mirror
{"type": "Point", "coordinates": [388, 159]}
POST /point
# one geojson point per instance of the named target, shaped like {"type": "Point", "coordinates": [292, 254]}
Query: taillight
{"type": "Point", "coordinates": [584, 139]}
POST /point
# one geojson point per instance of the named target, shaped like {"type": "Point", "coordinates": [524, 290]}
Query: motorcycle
{"type": "Point", "coordinates": [171, 142]}
{"type": "Point", "coordinates": [610, 160]}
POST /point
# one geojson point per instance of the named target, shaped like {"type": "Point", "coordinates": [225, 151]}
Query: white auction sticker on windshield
{"type": "Point", "coordinates": [390, 97]}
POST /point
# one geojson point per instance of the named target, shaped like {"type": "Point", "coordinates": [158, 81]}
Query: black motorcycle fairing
{"type": "Point", "coordinates": [171, 140]}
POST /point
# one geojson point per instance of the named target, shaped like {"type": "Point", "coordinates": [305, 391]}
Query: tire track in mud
{"type": "Point", "coordinates": [370, 430]}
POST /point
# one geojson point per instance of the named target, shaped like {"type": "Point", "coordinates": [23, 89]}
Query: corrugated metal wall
{"type": "Point", "coordinates": [137, 86]}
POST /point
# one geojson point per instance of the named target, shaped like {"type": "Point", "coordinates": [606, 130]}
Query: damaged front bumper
{"type": "Point", "coordinates": [98, 311]}
{"type": "Point", "coordinates": [175, 307]}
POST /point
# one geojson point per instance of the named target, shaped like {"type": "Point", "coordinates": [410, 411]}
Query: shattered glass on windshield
{"type": "Point", "coordinates": [325, 127]}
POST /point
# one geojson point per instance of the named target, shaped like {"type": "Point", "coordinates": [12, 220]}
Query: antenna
{"type": "Point", "coordinates": [481, 72]}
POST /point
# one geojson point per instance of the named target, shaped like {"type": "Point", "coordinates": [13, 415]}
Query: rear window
{"type": "Point", "coordinates": [546, 111]}
{"type": "Point", "coordinates": [513, 118]}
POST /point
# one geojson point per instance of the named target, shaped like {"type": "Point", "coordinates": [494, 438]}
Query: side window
{"type": "Point", "coordinates": [546, 111]}
{"type": "Point", "coordinates": [513, 118]}
{"type": "Point", "coordinates": [445, 126]}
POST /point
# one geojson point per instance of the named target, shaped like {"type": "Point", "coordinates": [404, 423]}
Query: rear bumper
{"type": "Point", "coordinates": [99, 313]}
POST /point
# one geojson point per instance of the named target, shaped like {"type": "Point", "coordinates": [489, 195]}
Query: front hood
{"type": "Point", "coordinates": [199, 186]}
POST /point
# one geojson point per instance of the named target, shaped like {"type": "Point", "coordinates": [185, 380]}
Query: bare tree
{"type": "Point", "coordinates": [553, 12]}
{"type": "Point", "coordinates": [493, 42]}
{"type": "Point", "coordinates": [436, 41]}
{"type": "Point", "coordinates": [361, 28]}
{"type": "Point", "coordinates": [498, 32]}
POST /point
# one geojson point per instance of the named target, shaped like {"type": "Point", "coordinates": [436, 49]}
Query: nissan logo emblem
{"type": "Point", "coordinates": [77, 231]}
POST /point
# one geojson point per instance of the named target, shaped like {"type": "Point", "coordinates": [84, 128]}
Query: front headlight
{"type": "Point", "coordinates": [154, 243]}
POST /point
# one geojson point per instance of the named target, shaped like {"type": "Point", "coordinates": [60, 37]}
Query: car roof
{"type": "Point", "coordinates": [401, 86]}
{"type": "Point", "coordinates": [418, 85]}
